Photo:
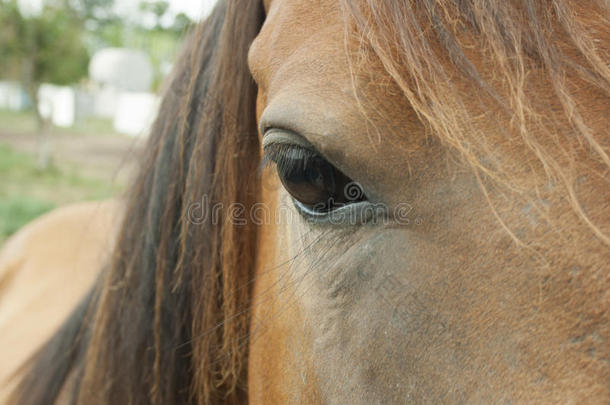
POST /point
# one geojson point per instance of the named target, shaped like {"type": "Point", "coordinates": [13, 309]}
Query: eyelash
{"type": "Point", "coordinates": [286, 157]}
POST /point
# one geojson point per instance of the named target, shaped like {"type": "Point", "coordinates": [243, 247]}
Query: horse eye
{"type": "Point", "coordinates": [317, 184]}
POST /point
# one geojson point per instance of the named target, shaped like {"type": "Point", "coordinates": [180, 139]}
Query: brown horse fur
{"type": "Point", "coordinates": [70, 243]}
{"type": "Point", "coordinates": [169, 323]}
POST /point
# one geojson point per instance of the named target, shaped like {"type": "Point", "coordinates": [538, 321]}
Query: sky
{"type": "Point", "coordinates": [195, 9]}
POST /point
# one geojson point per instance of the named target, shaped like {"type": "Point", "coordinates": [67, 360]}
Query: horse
{"type": "Point", "coordinates": [357, 202]}
{"type": "Point", "coordinates": [35, 264]}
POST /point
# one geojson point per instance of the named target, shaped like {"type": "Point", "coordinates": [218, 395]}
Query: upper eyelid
{"type": "Point", "coordinates": [285, 136]}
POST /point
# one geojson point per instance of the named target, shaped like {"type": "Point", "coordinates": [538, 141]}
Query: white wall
{"type": "Point", "coordinates": [135, 113]}
{"type": "Point", "coordinates": [12, 97]}
{"type": "Point", "coordinates": [57, 103]}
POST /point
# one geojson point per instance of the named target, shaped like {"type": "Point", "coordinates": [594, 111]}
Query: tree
{"type": "Point", "coordinates": [158, 8]}
{"type": "Point", "coordinates": [45, 48]}
{"type": "Point", "coordinates": [99, 11]}
{"type": "Point", "coordinates": [181, 24]}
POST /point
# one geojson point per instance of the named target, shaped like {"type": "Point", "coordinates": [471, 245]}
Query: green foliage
{"type": "Point", "coordinates": [12, 29]}
{"type": "Point", "coordinates": [161, 45]}
{"type": "Point", "coordinates": [98, 10]}
{"type": "Point", "coordinates": [42, 48]}
{"type": "Point", "coordinates": [157, 7]}
{"type": "Point", "coordinates": [110, 35]}
{"type": "Point", "coordinates": [181, 23]}
{"type": "Point", "coordinates": [53, 47]}
{"type": "Point", "coordinates": [61, 57]}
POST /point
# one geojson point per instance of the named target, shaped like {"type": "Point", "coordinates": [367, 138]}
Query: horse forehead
{"type": "Point", "coordinates": [295, 33]}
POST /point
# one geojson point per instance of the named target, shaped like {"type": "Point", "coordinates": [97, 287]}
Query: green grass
{"type": "Point", "coordinates": [21, 122]}
{"type": "Point", "coordinates": [26, 192]}
{"type": "Point", "coordinates": [17, 211]}
{"type": "Point", "coordinates": [90, 125]}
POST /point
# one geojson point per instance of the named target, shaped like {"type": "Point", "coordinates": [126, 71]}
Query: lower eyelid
{"type": "Point", "coordinates": [352, 214]}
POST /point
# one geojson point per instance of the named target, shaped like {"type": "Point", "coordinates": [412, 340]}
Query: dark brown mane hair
{"type": "Point", "coordinates": [164, 323]}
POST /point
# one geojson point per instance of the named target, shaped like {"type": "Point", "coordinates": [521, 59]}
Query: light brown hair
{"type": "Point", "coordinates": [516, 87]}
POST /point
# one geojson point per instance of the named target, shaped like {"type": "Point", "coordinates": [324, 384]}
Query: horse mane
{"type": "Point", "coordinates": [166, 322]}
{"type": "Point", "coordinates": [518, 88]}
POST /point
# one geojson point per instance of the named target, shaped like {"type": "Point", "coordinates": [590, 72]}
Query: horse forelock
{"type": "Point", "coordinates": [516, 88]}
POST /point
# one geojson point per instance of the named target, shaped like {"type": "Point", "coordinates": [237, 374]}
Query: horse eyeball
{"type": "Point", "coordinates": [312, 185]}
{"type": "Point", "coordinates": [320, 186]}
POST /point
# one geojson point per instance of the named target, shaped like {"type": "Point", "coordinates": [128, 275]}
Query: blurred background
{"type": "Point", "coordinates": [79, 88]}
